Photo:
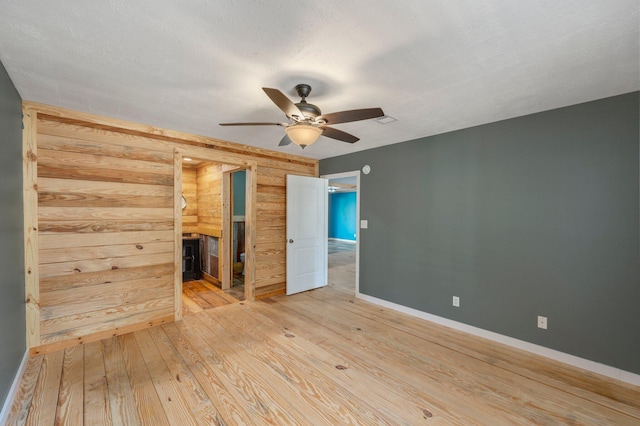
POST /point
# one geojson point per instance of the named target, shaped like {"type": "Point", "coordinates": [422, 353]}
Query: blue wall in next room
{"type": "Point", "coordinates": [342, 215]}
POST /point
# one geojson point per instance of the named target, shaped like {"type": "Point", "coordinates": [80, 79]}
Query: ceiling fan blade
{"type": "Point", "coordinates": [352, 115]}
{"type": "Point", "coordinates": [332, 133]}
{"type": "Point", "coordinates": [284, 103]}
{"type": "Point", "coordinates": [253, 124]}
{"type": "Point", "coordinates": [285, 141]}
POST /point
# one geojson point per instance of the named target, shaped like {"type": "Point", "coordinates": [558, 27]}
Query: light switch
{"type": "Point", "coordinates": [364, 224]}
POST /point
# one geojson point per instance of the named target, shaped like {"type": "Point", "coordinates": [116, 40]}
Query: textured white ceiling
{"type": "Point", "coordinates": [434, 65]}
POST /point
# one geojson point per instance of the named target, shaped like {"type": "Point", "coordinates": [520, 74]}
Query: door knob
{"type": "Point", "coordinates": [290, 241]}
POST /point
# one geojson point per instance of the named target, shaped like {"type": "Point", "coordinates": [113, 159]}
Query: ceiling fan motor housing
{"type": "Point", "coordinates": [309, 110]}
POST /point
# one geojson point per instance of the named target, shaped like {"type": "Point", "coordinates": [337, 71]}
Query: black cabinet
{"type": "Point", "coordinates": [190, 259]}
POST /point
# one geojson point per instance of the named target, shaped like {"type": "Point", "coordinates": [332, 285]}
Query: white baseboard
{"type": "Point", "coordinates": [13, 391]}
{"type": "Point", "coordinates": [572, 360]}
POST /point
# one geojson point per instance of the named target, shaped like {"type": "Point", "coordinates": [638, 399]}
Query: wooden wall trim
{"type": "Point", "coordinates": [30, 205]}
{"type": "Point", "coordinates": [177, 233]}
{"type": "Point", "coordinates": [227, 267]}
{"type": "Point", "coordinates": [56, 346]}
{"type": "Point", "coordinates": [250, 232]}
{"type": "Point", "coordinates": [75, 117]}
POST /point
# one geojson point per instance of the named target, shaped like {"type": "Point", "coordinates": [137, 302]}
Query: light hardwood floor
{"type": "Point", "coordinates": [200, 295]}
{"type": "Point", "coordinates": [316, 358]}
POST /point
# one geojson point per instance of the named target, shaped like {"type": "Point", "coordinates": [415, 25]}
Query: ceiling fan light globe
{"type": "Point", "coordinates": [303, 135]}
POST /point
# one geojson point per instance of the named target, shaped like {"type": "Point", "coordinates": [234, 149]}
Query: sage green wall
{"type": "Point", "coordinates": [537, 215]}
{"type": "Point", "coordinates": [12, 314]}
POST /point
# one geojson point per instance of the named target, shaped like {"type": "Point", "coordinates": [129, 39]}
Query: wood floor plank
{"type": "Point", "coordinates": [202, 409]}
{"type": "Point", "coordinates": [148, 403]}
{"type": "Point", "coordinates": [189, 306]}
{"type": "Point", "coordinates": [207, 294]}
{"type": "Point", "coordinates": [45, 399]}
{"type": "Point", "coordinates": [320, 357]}
{"type": "Point", "coordinates": [431, 374]}
{"type": "Point", "coordinates": [96, 392]}
{"type": "Point", "coordinates": [187, 290]}
{"type": "Point", "coordinates": [24, 397]}
{"type": "Point", "coordinates": [227, 374]}
{"type": "Point", "coordinates": [492, 392]}
{"type": "Point", "coordinates": [70, 409]}
{"type": "Point", "coordinates": [207, 376]}
{"type": "Point", "coordinates": [322, 369]}
{"type": "Point", "coordinates": [318, 392]}
{"type": "Point", "coordinates": [219, 292]}
{"type": "Point", "coordinates": [121, 400]}
{"type": "Point", "coordinates": [259, 387]}
{"type": "Point", "coordinates": [427, 393]}
{"type": "Point", "coordinates": [616, 395]}
{"type": "Point", "coordinates": [167, 386]}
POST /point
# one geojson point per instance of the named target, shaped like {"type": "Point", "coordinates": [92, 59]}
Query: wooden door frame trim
{"type": "Point", "coordinates": [30, 213]}
{"type": "Point", "coordinates": [227, 264]}
{"type": "Point", "coordinates": [251, 168]}
{"type": "Point", "coordinates": [227, 219]}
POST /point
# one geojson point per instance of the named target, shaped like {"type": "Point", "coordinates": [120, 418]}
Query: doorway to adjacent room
{"type": "Point", "coordinates": [344, 232]}
{"type": "Point", "coordinates": [213, 235]}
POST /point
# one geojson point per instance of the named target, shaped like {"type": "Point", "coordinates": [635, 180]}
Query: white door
{"type": "Point", "coordinates": [307, 211]}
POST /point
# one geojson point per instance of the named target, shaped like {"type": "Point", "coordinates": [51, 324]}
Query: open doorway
{"type": "Point", "coordinates": [343, 232]}
{"type": "Point", "coordinates": [237, 248]}
{"type": "Point", "coordinates": [206, 242]}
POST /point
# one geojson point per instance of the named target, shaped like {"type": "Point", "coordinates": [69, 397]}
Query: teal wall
{"type": "Point", "coordinates": [12, 312]}
{"type": "Point", "coordinates": [342, 215]}
{"type": "Point", "coordinates": [537, 215]}
{"type": "Point", "coordinates": [239, 192]}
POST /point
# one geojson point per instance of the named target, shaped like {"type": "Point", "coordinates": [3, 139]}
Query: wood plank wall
{"type": "Point", "coordinates": [189, 191]}
{"type": "Point", "coordinates": [105, 220]}
{"type": "Point", "coordinates": [209, 189]}
{"type": "Point", "coordinates": [102, 261]}
{"type": "Point", "coordinates": [271, 216]}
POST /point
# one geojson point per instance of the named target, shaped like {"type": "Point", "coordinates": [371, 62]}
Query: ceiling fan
{"type": "Point", "coordinates": [306, 121]}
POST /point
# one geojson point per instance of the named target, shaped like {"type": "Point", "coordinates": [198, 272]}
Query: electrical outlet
{"type": "Point", "coordinates": [542, 322]}
{"type": "Point", "coordinates": [456, 301]}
